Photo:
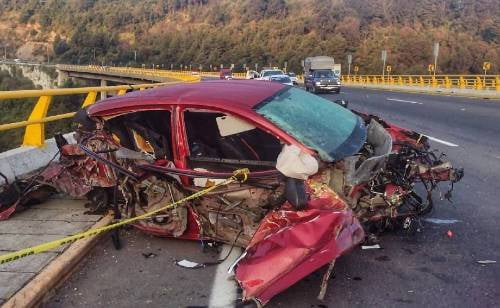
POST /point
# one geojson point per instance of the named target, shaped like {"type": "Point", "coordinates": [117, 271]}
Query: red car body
{"type": "Point", "coordinates": [292, 243]}
{"type": "Point", "coordinates": [283, 243]}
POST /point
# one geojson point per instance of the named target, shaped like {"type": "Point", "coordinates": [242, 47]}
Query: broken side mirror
{"type": "Point", "coordinates": [341, 102]}
{"type": "Point", "coordinates": [295, 193]}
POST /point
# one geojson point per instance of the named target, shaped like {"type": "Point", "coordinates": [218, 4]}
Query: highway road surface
{"type": "Point", "coordinates": [429, 268]}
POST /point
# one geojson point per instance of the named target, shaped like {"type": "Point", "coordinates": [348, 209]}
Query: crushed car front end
{"type": "Point", "coordinates": [321, 176]}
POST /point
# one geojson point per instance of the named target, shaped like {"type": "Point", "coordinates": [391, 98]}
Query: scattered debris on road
{"type": "Point", "coordinates": [365, 247]}
{"type": "Point", "coordinates": [439, 221]}
{"type": "Point", "coordinates": [486, 262]}
{"type": "Point", "coordinates": [188, 264]}
{"type": "Point", "coordinates": [148, 255]}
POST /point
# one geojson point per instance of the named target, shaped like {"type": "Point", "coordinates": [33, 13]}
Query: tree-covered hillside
{"type": "Point", "coordinates": [211, 32]}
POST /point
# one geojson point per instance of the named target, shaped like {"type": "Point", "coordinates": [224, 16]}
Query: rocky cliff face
{"type": "Point", "coordinates": [40, 75]}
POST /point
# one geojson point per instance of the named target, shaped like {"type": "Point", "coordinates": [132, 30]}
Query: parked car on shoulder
{"type": "Point", "coordinates": [252, 74]}
{"type": "Point", "coordinates": [226, 73]}
{"type": "Point", "coordinates": [267, 73]}
{"type": "Point", "coordinates": [284, 79]}
{"type": "Point", "coordinates": [293, 77]}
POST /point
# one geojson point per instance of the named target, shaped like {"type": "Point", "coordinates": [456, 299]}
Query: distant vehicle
{"type": "Point", "coordinates": [293, 77]}
{"type": "Point", "coordinates": [226, 73]}
{"type": "Point", "coordinates": [284, 79]}
{"type": "Point", "coordinates": [267, 73]}
{"type": "Point", "coordinates": [319, 74]}
{"type": "Point", "coordinates": [18, 60]}
{"type": "Point", "coordinates": [252, 74]}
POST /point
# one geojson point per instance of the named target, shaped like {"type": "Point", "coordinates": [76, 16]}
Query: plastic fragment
{"type": "Point", "coordinates": [441, 221]}
{"type": "Point", "coordinates": [188, 264]}
{"type": "Point", "coordinates": [376, 246]}
{"type": "Point", "coordinates": [486, 261]}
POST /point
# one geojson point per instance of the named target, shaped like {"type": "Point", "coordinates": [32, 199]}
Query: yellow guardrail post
{"type": "Point", "coordinates": [35, 133]}
{"type": "Point", "coordinates": [497, 81]}
{"type": "Point", "coordinates": [90, 99]}
{"type": "Point", "coordinates": [400, 81]}
{"type": "Point", "coordinates": [479, 84]}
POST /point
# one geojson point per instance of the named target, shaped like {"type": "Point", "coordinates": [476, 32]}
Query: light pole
{"type": "Point", "coordinates": [349, 61]}
{"type": "Point", "coordinates": [436, 54]}
{"type": "Point", "coordinates": [384, 58]}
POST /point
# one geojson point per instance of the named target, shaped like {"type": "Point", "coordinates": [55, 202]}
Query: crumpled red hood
{"type": "Point", "coordinates": [290, 244]}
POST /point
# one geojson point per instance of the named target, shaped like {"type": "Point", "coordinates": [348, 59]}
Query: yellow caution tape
{"type": "Point", "coordinates": [70, 239]}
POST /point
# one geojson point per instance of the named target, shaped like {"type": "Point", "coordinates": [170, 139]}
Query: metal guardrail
{"type": "Point", "coordinates": [34, 134]}
{"type": "Point", "coordinates": [131, 72]}
{"type": "Point", "coordinates": [35, 125]}
{"type": "Point", "coordinates": [474, 82]}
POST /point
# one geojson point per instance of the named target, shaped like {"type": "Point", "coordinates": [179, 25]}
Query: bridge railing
{"type": "Point", "coordinates": [475, 82]}
{"type": "Point", "coordinates": [34, 134]}
{"type": "Point", "coordinates": [140, 73]}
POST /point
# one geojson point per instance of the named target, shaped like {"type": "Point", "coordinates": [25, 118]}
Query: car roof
{"type": "Point", "coordinates": [228, 95]}
{"type": "Point", "coordinates": [280, 76]}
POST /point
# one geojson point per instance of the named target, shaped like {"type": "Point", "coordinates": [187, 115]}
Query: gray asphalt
{"type": "Point", "coordinates": [426, 269]}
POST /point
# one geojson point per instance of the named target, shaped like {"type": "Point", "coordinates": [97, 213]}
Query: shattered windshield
{"type": "Point", "coordinates": [332, 130]}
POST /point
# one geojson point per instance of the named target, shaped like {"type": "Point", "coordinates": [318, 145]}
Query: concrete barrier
{"type": "Point", "coordinates": [23, 160]}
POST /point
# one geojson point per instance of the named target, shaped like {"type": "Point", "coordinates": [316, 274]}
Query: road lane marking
{"type": "Point", "coordinates": [404, 101]}
{"type": "Point", "coordinates": [450, 144]}
{"type": "Point", "coordinates": [223, 292]}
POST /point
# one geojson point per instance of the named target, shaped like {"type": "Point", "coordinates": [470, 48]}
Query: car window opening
{"type": "Point", "coordinates": [144, 131]}
{"type": "Point", "coordinates": [235, 145]}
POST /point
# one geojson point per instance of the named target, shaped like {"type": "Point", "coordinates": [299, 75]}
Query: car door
{"type": "Point", "coordinates": [218, 142]}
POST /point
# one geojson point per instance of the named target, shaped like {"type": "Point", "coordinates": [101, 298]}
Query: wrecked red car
{"type": "Point", "coordinates": [321, 177]}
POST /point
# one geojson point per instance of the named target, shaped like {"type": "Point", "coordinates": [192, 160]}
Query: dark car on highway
{"type": "Point", "coordinates": [322, 81]}
{"type": "Point", "coordinates": [226, 73]}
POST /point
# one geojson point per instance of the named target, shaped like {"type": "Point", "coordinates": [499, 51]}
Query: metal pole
{"type": "Point", "coordinates": [436, 53]}
{"type": "Point", "coordinates": [384, 58]}
{"type": "Point", "coordinates": [349, 61]}
{"type": "Point", "coordinates": [383, 69]}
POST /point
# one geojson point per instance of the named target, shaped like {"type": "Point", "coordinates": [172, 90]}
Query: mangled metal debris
{"type": "Point", "coordinates": [322, 178]}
